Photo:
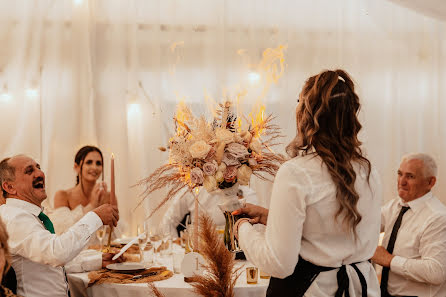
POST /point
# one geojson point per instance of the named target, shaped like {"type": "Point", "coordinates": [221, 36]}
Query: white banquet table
{"type": "Point", "coordinates": [172, 287]}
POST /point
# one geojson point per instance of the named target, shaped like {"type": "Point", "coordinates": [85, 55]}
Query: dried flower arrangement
{"type": "Point", "coordinates": [220, 279]}
{"type": "Point", "coordinates": [217, 154]}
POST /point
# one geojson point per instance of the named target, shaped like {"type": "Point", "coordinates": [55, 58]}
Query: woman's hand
{"type": "Point", "coordinates": [257, 214]}
{"type": "Point", "coordinates": [98, 194]}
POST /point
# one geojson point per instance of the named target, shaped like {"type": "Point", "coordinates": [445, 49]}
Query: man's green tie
{"type": "Point", "coordinates": [49, 226]}
{"type": "Point", "coordinates": [46, 222]}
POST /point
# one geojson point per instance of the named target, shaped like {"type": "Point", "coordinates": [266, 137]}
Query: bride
{"type": "Point", "coordinates": [70, 205]}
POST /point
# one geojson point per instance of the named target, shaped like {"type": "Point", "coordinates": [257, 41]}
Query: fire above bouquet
{"type": "Point", "coordinates": [216, 155]}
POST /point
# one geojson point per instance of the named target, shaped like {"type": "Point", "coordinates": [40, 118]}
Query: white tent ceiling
{"type": "Point", "coordinates": [432, 8]}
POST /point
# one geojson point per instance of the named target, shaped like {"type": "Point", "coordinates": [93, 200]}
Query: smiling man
{"type": "Point", "coordinates": [38, 255]}
{"type": "Point", "coordinates": [413, 254]}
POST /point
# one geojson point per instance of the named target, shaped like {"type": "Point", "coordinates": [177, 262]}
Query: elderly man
{"type": "Point", "coordinates": [38, 255]}
{"type": "Point", "coordinates": [413, 254]}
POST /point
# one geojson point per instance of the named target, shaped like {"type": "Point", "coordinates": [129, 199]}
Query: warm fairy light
{"type": "Point", "coordinates": [112, 156]}
{"type": "Point", "coordinates": [254, 77]}
{"type": "Point", "coordinates": [133, 110]}
{"type": "Point", "coordinates": [32, 93]}
{"type": "Point", "coordinates": [197, 190]}
{"type": "Point", "coordinates": [5, 97]}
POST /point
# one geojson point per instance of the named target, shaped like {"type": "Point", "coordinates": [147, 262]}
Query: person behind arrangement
{"type": "Point", "coordinates": [413, 251]}
{"type": "Point", "coordinates": [38, 255]}
{"type": "Point", "coordinates": [71, 205]}
{"type": "Point", "coordinates": [323, 222]}
{"type": "Point", "coordinates": [4, 261]}
{"type": "Point", "coordinates": [184, 203]}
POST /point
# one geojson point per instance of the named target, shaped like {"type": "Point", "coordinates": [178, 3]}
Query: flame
{"type": "Point", "coordinates": [181, 116]}
{"type": "Point", "coordinates": [257, 117]}
{"type": "Point", "coordinates": [271, 68]}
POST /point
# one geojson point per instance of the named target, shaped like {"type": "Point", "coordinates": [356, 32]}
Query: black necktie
{"type": "Point", "coordinates": [390, 246]}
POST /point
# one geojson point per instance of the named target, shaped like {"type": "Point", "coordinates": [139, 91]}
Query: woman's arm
{"type": "Point", "coordinates": [276, 251]}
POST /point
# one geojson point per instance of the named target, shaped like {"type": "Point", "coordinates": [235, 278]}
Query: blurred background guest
{"type": "Point", "coordinates": [184, 204]}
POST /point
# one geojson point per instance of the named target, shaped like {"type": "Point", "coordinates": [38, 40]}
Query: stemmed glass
{"type": "Point", "coordinates": [155, 240]}
{"type": "Point", "coordinates": [142, 240]}
{"type": "Point", "coordinates": [100, 234]}
{"type": "Point", "coordinates": [166, 239]}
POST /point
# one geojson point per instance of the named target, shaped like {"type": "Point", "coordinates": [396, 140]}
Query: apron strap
{"type": "Point", "coordinates": [296, 284]}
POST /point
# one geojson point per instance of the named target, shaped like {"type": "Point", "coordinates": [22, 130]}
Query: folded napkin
{"type": "Point", "coordinates": [146, 276]}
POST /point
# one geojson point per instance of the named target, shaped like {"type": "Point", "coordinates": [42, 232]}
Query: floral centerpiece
{"type": "Point", "coordinates": [216, 155]}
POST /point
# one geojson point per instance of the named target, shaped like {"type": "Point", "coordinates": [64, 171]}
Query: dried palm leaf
{"type": "Point", "coordinates": [220, 279]}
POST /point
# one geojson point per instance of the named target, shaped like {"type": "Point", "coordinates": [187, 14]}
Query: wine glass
{"type": "Point", "coordinates": [155, 239]}
{"type": "Point", "coordinates": [166, 239]}
{"type": "Point", "coordinates": [142, 240]}
{"type": "Point", "coordinates": [100, 235]}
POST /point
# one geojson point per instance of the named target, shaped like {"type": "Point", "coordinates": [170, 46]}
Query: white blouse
{"type": "Point", "coordinates": [301, 222]}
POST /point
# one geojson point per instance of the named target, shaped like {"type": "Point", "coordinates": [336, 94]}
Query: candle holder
{"type": "Point", "coordinates": [252, 275]}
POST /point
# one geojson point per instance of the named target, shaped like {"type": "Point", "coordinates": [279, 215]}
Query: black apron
{"type": "Point", "coordinates": [303, 276]}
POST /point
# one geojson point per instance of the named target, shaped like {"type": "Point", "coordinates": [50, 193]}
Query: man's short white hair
{"type": "Point", "coordinates": [429, 165]}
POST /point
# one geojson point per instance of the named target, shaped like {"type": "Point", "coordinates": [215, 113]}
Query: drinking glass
{"type": "Point", "coordinates": [166, 240]}
{"type": "Point", "coordinates": [100, 234]}
{"type": "Point", "coordinates": [156, 239]}
{"type": "Point", "coordinates": [142, 240]}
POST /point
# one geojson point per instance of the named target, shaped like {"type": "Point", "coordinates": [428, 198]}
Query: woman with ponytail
{"type": "Point", "coordinates": [323, 223]}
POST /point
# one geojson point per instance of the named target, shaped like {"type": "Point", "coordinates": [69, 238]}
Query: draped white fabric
{"type": "Point", "coordinates": [109, 73]}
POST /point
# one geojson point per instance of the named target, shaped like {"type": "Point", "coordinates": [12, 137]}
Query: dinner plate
{"type": "Point", "coordinates": [126, 267]}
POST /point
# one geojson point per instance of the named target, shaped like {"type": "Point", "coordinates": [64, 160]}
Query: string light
{"type": "Point", "coordinates": [254, 77]}
{"type": "Point", "coordinates": [32, 93]}
{"type": "Point", "coordinates": [5, 97]}
{"type": "Point", "coordinates": [133, 110]}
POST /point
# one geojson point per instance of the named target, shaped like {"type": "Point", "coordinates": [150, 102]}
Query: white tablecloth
{"type": "Point", "coordinates": [172, 287]}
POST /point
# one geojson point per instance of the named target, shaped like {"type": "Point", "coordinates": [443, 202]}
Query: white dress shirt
{"type": "Point", "coordinates": [208, 202]}
{"type": "Point", "coordinates": [419, 265]}
{"type": "Point", "coordinates": [37, 255]}
{"type": "Point", "coordinates": [301, 222]}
